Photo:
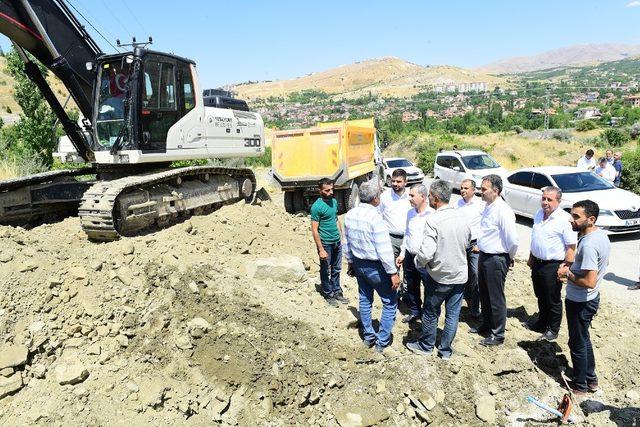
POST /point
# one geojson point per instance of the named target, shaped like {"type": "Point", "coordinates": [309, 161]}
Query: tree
{"type": "Point", "coordinates": [35, 131]}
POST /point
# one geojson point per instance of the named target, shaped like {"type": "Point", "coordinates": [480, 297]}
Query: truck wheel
{"type": "Point", "coordinates": [298, 201]}
{"type": "Point", "coordinates": [353, 194]}
{"type": "Point", "coordinates": [288, 202]}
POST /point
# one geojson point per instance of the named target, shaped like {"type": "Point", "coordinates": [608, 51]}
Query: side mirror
{"type": "Point", "coordinates": [456, 168]}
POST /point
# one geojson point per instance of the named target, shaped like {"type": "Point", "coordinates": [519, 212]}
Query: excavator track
{"type": "Point", "coordinates": [25, 200]}
{"type": "Point", "coordinates": [110, 209]}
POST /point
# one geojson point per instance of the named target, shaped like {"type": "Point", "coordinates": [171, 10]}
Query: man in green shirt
{"type": "Point", "coordinates": [327, 234]}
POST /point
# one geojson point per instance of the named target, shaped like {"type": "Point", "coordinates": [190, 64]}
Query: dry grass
{"type": "Point", "coordinates": [514, 151]}
{"type": "Point", "coordinates": [384, 76]}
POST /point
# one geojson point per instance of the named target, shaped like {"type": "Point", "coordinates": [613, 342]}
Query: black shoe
{"type": "Point", "coordinates": [479, 330]}
{"type": "Point", "coordinates": [548, 336]}
{"type": "Point", "coordinates": [476, 316]}
{"type": "Point", "coordinates": [593, 387]}
{"type": "Point", "coordinates": [534, 326]}
{"type": "Point", "coordinates": [410, 318]}
{"type": "Point", "coordinates": [331, 301]}
{"type": "Point", "coordinates": [492, 341]}
{"type": "Point", "coordinates": [341, 298]}
{"type": "Point", "coordinates": [368, 344]}
{"type": "Point", "coordinates": [416, 348]}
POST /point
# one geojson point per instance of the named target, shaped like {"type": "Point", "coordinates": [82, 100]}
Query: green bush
{"type": "Point", "coordinates": [615, 137]}
{"type": "Point", "coordinates": [585, 125]}
{"type": "Point", "coordinates": [631, 170]}
{"type": "Point", "coordinates": [263, 160]}
{"type": "Point", "coordinates": [634, 132]}
{"type": "Point", "coordinates": [561, 135]}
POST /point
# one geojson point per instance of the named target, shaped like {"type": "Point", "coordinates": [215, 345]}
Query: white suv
{"type": "Point", "coordinates": [456, 166]}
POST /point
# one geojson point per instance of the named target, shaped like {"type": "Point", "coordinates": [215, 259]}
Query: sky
{"type": "Point", "coordinates": [234, 42]}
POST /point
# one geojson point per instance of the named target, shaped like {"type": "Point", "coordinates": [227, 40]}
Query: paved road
{"type": "Point", "coordinates": [624, 262]}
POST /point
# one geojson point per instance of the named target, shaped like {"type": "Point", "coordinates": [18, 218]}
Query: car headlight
{"type": "Point", "coordinates": [605, 212]}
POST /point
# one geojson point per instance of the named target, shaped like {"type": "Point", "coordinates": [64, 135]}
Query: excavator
{"type": "Point", "coordinates": [141, 111]}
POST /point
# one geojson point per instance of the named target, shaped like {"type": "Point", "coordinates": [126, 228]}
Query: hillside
{"type": "Point", "coordinates": [622, 72]}
{"type": "Point", "coordinates": [6, 93]}
{"type": "Point", "coordinates": [577, 55]}
{"type": "Point", "coordinates": [384, 76]}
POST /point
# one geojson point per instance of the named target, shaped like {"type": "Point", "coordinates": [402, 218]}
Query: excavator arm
{"type": "Point", "coordinates": [51, 33]}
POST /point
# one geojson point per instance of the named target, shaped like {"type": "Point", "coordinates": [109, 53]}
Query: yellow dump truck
{"type": "Point", "coordinates": [344, 151]}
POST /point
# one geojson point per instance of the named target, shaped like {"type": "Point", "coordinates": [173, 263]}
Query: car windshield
{"type": "Point", "coordinates": [581, 181]}
{"type": "Point", "coordinates": [480, 161]}
{"type": "Point", "coordinates": [399, 163]}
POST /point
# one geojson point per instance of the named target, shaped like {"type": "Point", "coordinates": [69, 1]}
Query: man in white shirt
{"type": "Point", "coordinates": [553, 244]}
{"type": "Point", "coordinates": [498, 243]}
{"type": "Point", "coordinates": [472, 208]}
{"type": "Point", "coordinates": [369, 255]}
{"type": "Point", "coordinates": [609, 156]}
{"type": "Point", "coordinates": [606, 169]}
{"type": "Point", "coordinates": [413, 235]}
{"type": "Point", "coordinates": [587, 162]}
{"type": "Point", "coordinates": [394, 205]}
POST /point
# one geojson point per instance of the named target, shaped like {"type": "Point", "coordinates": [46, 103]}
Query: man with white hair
{"type": "Point", "coordinates": [443, 254]}
{"type": "Point", "coordinates": [413, 235]}
{"type": "Point", "coordinates": [369, 254]}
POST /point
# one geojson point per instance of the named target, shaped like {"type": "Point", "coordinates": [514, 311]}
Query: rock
{"type": "Point", "coordinates": [381, 386]}
{"type": "Point", "coordinates": [122, 340]}
{"type": "Point", "coordinates": [349, 419]}
{"type": "Point", "coordinates": [71, 371]}
{"type": "Point", "coordinates": [96, 265]}
{"type": "Point", "coordinates": [513, 361]}
{"type": "Point", "coordinates": [400, 408]}
{"type": "Point", "coordinates": [39, 370]}
{"type": "Point", "coordinates": [416, 402]}
{"type": "Point", "coordinates": [632, 395]}
{"type": "Point", "coordinates": [198, 327]}
{"type": "Point", "coordinates": [428, 401]}
{"type": "Point", "coordinates": [36, 327]}
{"type": "Point", "coordinates": [13, 355]}
{"type": "Point", "coordinates": [356, 415]}
{"type": "Point", "coordinates": [184, 343]}
{"type": "Point", "coordinates": [493, 389]}
{"type": "Point", "coordinates": [439, 396]}
{"type": "Point", "coordinates": [6, 372]}
{"type": "Point", "coordinates": [132, 387]}
{"type": "Point", "coordinates": [5, 257]}
{"type": "Point", "coordinates": [284, 268]}
{"type": "Point", "coordinates": [73, 343]}
{"type": "Point", "coordinates": [152, 392]}
{"type": "Point", "coordinates": [128, 249]}
{"type": "Point", "coordinates": [94, 349]}
{"type": "Point", "coordinates": [10, 385]}
{"type": "Point", "coordinates": [486, 409]}
{"type": "Point", "coordinates": [78, 273]}
{"type": "Point", "coordinates": [193, 287]}
{"type": "Point", "coordinates": [423, 416]}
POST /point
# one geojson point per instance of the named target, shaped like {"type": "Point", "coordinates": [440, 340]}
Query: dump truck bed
{"type": "Point", "coordinates": [342, 151]}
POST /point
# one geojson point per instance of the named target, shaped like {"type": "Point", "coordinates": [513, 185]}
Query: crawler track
{"type": "Point", "coordinates": [27, 200]}
{"type": "Point", "coordinates": [128, 205]}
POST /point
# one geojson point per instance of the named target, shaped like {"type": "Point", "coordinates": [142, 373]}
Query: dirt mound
{"type": "Point", "coordinates": [169, 328]}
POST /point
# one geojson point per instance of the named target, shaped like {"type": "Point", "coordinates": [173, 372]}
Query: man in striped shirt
{"type": "Point", "coordinates": [369, 254]}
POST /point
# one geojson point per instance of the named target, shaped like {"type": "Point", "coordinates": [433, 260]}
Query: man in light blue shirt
{"type": "Point", "coordinates": [583, 295]}
{"type": "Point", "coordinates": [368, 250]}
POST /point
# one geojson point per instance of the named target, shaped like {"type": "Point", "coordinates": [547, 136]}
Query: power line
{"type": "Point", "coordinates": [92, 26]}
{"type": "Point", "coordinates": [135, 18]}
{"type": "Point", "coordinates": [115, 18]}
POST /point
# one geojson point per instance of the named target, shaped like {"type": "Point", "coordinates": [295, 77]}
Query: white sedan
{"type": "Point", "coordinates": [619, 209]}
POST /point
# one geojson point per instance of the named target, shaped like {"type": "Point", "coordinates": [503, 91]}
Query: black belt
{"type": "Point", "coordinates": [397, 236]}
{"type": "Point", "coordinates": [544, 261]}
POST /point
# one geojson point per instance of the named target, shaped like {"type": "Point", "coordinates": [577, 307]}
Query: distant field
{"type": "Point", "coordinates": [514, 151]}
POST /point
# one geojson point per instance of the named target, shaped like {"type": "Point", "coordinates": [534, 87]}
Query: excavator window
{"type": "Point", "coordinates": [114, 78]}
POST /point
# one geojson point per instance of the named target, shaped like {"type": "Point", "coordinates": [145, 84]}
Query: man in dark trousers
{"type": "Point", "coordinates": [327, 234]}
{"type": "Point", "coordinates": [553, 242]}
{"type": "Point", "coordinates": [583, 296]}
{"type": "Point", "coordinates": [498, 243]}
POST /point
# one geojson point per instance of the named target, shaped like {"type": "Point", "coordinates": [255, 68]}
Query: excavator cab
{"type": "Point", "coordinates": [139, 97]}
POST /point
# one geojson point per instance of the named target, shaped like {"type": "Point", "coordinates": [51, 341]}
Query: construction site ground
{"type": "Point", "coordinates": [190, 325]}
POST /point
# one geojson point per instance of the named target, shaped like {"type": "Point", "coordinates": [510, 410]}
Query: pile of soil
{"type": "Point", "coordinates": [173, 328]}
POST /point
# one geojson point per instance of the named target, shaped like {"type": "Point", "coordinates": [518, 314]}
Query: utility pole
{"type": "Point", "coordinates": [546, 109]}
